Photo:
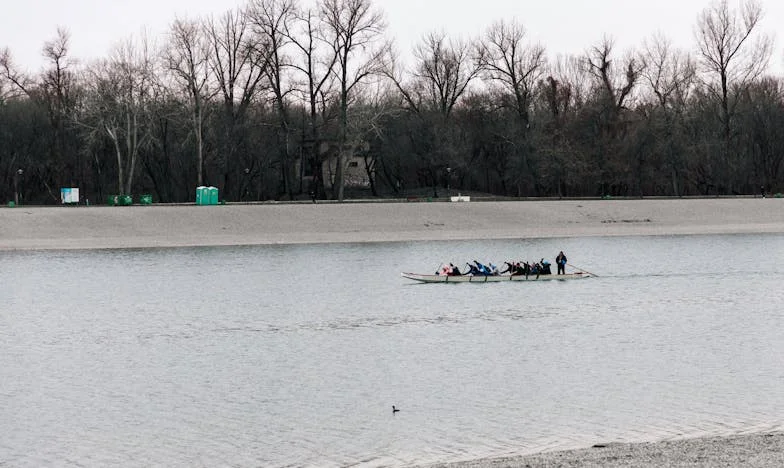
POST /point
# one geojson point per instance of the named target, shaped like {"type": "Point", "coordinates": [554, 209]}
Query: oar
{"type": "Point", "coordinates": [584, 271]}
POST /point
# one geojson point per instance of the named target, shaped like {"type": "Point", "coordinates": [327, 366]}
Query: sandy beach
{"type": "Point", "coordinates": [100, 227]}
{"type": "Point", "coordinates": [103, 227]}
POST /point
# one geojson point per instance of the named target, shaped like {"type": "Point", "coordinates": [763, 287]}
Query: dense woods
{"type": "Point", "coordinates": [275, 101]}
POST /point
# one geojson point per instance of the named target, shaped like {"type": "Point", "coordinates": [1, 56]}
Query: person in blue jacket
{"type": "Point", "coordinates": [484, 270]}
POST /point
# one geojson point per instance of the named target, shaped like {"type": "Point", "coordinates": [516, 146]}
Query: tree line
{"type": "Point", "coordinates": [272, 100]}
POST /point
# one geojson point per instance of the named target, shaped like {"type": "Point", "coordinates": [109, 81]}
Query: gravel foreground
{"type": "Point", "coordinates": [764, 450]}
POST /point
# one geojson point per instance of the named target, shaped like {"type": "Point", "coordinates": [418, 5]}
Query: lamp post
{"type": "Point", "coordinates": [448, 181]}
{"type": "Point", "coordinates": [245, 184]}
{"type": "Point", "coordinates": [16, 185]}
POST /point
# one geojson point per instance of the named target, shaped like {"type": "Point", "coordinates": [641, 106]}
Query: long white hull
{"type": "Point", "coordinates": [489, 279]}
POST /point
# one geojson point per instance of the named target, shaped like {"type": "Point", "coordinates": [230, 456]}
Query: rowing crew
{"type": "Point", "coordinates": [541, 267]}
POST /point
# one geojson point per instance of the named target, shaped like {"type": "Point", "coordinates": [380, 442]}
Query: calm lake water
{"type": "Point", "coordinates": [294, 355]}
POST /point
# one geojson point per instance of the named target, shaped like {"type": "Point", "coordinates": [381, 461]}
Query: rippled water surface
{"type": "Point", "coordinates": [294, 355]}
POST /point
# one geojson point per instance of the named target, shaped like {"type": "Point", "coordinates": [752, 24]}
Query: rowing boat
{"type": "Point", "coordinates": [490, 278]}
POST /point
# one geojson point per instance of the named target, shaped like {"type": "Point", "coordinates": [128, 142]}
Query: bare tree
{"type": "Point", "coordinates": [58, 89]}
{"type": "Point", "coordinates": [55, 92]}
{"type": "Point", "coordinates": [314, 65]}
{"type": "Point", "coordinates": [272, 20]}
{"type": "Point", "coordinates": [669, 72]}
{"type": "Point", "coordinates": [613, 90]}
{"type": "Point", "coordinates": [186, 58]}
{"type": "Point", "coordinates": [118, 94]}
{"type": "Point", "coordinates": [514, 66]}
{"type": "Point", "coordinates": [761, 115]}
{"type": "Point", "coordinates": [235, 60]}
{"type": "Point", "coordinates": [238, 63]}
{"type": "Point", "coordinates": [351, 27]}
{"type": "Point", "coordinates": [443, 70]}
{"type": "Point", "coordinates": [566, 87]}
{"type": "Point", "coordinates": [670, 76]}
{"type": "Point", "coordinates": [559, 99]}
{"type": "Point", "coordinates": [508, 60]}
{"type": "Point", "coordinates": [733, 54]}
{"type": "Point", "coordinates": [614, 85]}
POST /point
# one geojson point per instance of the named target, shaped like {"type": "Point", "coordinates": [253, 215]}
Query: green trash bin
{"type": "Point", "coordinates": [113, 200]}
{"type": "Point", "coordinates": [145, 199]}
{"type": "Point", "coordinates": [213, 192]}
{"type": "Point", "coordinates": [126, 200]}
{"type": "Point", "coordinates": [11, 204]}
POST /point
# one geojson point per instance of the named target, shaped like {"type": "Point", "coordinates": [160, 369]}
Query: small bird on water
{"type": "Point", "coordinates": [394, 410]}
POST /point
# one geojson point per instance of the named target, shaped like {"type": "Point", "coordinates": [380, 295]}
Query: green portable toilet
{"type": "Point", "coordinates": [213, 191]}
{"type": "Point", "coordinates": [202, 196]}
{"type": "Point", "coordinates": [145, 199]}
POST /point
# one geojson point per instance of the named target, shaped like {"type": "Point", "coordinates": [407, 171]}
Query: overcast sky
{"type": "Point", "coordinates": [562, 26]}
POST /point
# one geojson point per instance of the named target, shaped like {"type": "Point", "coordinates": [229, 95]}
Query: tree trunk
{"type": "Point", "coordinates": [118, 152]}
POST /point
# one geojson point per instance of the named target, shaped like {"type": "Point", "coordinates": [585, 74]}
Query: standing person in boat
{"type": "Point", "coordinates": [560, 260]}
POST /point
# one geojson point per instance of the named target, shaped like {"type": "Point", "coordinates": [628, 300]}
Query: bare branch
{"type": "Point", "coordinates": [21, 81]}
{"type": "Point", "coordinates": [238, 61]}
{"type": "Point", "coordinates": [443, 70]}
{"type": "Point", "coordinates": [669, 72]}
{"type": "Point", "coordinates": [507, 59]}
{"type": "Point", "coordinates": [271, 19]}
{"type": "Point", "coordinates": [599, 63]}
{"type": "Point", "coordinates": [729, 46]}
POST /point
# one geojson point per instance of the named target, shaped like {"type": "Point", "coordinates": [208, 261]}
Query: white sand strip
{"type": "Point", "coordinates": [187, 225]}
